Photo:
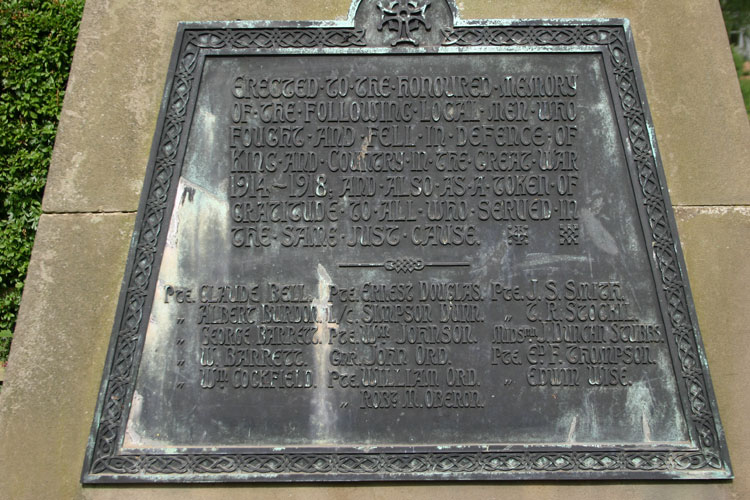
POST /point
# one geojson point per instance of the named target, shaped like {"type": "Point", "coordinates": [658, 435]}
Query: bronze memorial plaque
{"type": "Point", "coordinates": [405, 246]}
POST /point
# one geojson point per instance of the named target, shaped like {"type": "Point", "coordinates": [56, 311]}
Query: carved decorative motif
{"type": "Point", "coordinates": [403, 463]}
{"type": "Point", "coordinates": [569, 234]}
{"type": "Point", "coordinates": [518, 234]}
{"type": "Point", "coordinates": [404, 16]}
{"type": "Point", "coordinates": [406, 265]}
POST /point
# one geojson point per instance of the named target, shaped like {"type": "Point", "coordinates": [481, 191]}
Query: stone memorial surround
{"type": "Point", "coordinates": [94, 184]}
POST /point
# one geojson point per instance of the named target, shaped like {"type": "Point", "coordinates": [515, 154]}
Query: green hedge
{"type": "Point", "coordinates": [37, 38]}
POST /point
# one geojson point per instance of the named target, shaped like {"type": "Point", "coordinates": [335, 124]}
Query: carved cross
{"type": "Point", "coordinates": [404, 16]}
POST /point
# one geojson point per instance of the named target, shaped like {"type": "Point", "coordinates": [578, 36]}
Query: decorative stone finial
{"type": "Point", "coordinates": [404, 16]}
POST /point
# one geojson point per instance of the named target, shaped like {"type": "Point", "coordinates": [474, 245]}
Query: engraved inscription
{"type": "Point", "coordinates": [401, 161]}
{"type": "Point", "coordinates": [407, 245]}
{"type": "Point", "coordinates": [414, 259]}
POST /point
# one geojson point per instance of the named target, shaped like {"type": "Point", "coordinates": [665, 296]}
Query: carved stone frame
{"type": "Point", "coordinates": [708, 457]}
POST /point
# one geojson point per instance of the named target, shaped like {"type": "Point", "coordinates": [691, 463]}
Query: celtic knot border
{"type": "Point", "coordinates": [405, 265]}
{"type": "Point", "coordinates": [433, 463]}
{"type": "Point", "coordinates": [104, 463]}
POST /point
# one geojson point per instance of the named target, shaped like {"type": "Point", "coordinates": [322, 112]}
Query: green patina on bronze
{"type": "Point", "coordinates": [144, 428]}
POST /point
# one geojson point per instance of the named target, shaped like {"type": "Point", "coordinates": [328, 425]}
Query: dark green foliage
{"type": "Point", "coordinates": [745, 88]}
{"type": "Point", "coordinates": [37, 38]}
{"type": "Point", "coordinates": [736, 14]}
{"type": "Point", "coordinates": [737, 19]}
